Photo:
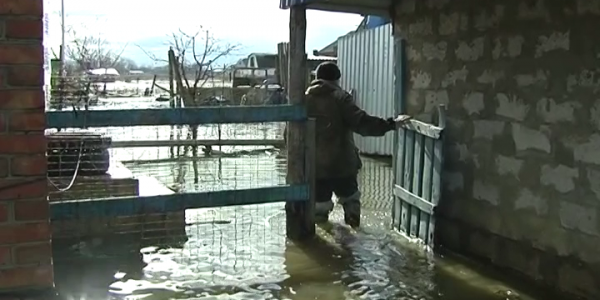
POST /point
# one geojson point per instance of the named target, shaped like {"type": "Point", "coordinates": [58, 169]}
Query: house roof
{"type": "Point", "coordinates": [262, 54]}
{"type": "Point", "coordinates": [104, 71]}
{"type": "Point", "coordinates": [331, 49]}
{"type": "Point", "coordinates": [370, 7]}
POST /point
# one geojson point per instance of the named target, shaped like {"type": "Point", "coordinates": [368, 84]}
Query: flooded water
{"type": "Point", "coordinates": [138, 86]}
{"type": "Point", "coordinates": [241, 252]}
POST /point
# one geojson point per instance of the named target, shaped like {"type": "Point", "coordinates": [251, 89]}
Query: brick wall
{"type": "Point", "coordinates": [25, 236]}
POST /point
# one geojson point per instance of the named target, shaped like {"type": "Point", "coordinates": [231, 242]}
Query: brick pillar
{"type": "Point", "coordinates": [25, 236]}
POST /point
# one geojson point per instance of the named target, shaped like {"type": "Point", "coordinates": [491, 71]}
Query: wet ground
{"type": "Point", "coordinates": [241, 252]}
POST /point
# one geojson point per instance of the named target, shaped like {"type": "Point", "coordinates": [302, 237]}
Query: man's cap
{"type": "Point", "coordinates": [328, 71]}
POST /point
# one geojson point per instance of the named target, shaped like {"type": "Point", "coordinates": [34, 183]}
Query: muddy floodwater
{"type": "Point", "coordinates": [241, 252]}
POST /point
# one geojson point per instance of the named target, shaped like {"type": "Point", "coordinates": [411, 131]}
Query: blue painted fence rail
{"type": "Point", "coordinates": [130, 206]}
{"type": "Point", "coordinates": [176, 116]}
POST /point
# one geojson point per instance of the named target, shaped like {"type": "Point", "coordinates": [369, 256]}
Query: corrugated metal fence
{"type": "Point", "coordinates": [366, 59]}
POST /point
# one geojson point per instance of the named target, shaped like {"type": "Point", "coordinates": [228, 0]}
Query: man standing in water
{"type": "Point", "coordinates": [337, 159]}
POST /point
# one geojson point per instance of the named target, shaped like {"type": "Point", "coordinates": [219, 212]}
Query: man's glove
{"type": "Point", "coordinates": [400, 120]}
{"type": "Point", "coordinates": [391, 123]}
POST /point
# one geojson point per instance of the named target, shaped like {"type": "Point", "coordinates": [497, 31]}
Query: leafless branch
{"type": "Point", "coordinates": [152, 56]}
{"type": "Point", "coordinates": [205, 50]}
{"type": "Point", "coordinates": [92, 52]}
{"type": "Point", "coordinates": [117, 58]}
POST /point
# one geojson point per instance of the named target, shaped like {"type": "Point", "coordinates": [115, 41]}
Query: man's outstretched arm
{"type": "Point", "coordinates": [361, 122]}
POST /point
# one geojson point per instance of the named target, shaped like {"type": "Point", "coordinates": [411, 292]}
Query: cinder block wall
{"type": "Point", "coordinates": [521, 81]}
{"type": "Point", "coordinates": [25, 236]}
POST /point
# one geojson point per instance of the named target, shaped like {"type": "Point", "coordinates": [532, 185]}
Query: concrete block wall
{"type": "Point", "coordinates": [521, 80]}
{"type": "Point", "coordinates": [138, 230]}
{"type": "Point", "coordinates": [25, 235]}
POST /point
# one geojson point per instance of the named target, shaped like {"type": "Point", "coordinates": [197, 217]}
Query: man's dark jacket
{"type": "Point", "coordinates": [337, 118]}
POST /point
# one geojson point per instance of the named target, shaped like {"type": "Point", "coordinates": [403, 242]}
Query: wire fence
{"type": "Point", "coordinates": [120, 162]}
{"type": "Point", "coordinates": [110, 163]}
{"type": "Point", "coordinates": [89, 92]}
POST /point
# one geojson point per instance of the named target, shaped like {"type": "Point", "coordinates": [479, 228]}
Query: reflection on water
{"type": "Point", "coordinates": [213, 174]}
{"type": "Point", "coordinates": [241, 252]}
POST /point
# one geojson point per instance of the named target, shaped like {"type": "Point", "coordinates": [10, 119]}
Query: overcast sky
{"type": "Point", "coordinates": [257, 25]}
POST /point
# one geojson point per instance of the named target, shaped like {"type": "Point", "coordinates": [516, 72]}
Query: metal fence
{"type": "Point", "coordinates": [366, 59]}
{"type": "Point", "coordinates": [130, 175]}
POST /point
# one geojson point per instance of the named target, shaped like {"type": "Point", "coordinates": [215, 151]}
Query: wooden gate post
{"type": "Point", "coordinates": [299, 224]}
{"type": "Point", "coordinates": [283, 64]}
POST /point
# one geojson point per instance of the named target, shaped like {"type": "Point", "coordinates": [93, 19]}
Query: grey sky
{"type": "Point", "coordinates": [257, 25]}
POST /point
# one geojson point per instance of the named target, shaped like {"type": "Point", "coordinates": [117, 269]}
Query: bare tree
{"type": "Point", "coordinates": [195, 55]}
{"type": "Point", "coordinates": [84, 52]}
{"type": "Point", "coordinates": [88, 52]}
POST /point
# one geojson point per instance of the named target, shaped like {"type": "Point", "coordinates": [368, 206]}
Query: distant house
{"type": "Point", "coordinates": [242, 62]}
{"type": "Point", "coordinates": [103, 74]}
{"type": "Point", "coordinates": [255, 69]}
{"type": "Point", "coordinates": [136, 72]}
{"type": "Point", "coordinates": [262, 60]}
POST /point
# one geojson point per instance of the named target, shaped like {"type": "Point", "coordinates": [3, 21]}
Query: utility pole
{"type": "Point", "coordinates": [62, 45]}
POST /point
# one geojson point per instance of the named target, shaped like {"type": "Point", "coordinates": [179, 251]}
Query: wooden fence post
{"type": "Point", "coordinates": [310, 171]}
{"type": "Point", "coordinates": [283, 64]}
{"type": "Point", "coordinates": [296, 212]}
{"type": "Point", "coordinates": [170, 54]}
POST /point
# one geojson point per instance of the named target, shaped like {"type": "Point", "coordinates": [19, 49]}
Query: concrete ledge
{"type": "Point", "coordinates": [135, 231]}
{"type": "Point", "coordinates": [566, 275]}
{"type": "Point", "coordinates": [144, 226]}
{"type": "Point", "coordinates": [34, 294]}
{"type": "Point", "coordinates": [118, 182]}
